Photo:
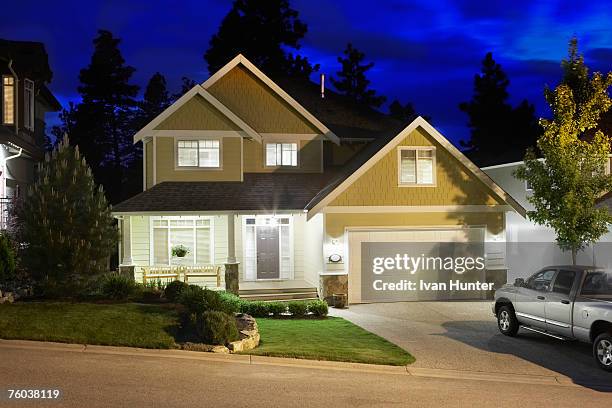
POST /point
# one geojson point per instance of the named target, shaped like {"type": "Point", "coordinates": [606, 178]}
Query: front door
{"type": "Point", "coordinates": [267, 252]}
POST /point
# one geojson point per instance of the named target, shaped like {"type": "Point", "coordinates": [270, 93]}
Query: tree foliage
{"type": "Point", "coordinates": [496, 127]}
{"type": "Point", "coordinates": [261, 30]}
{"type": "Point", "coordinates": [156, 99]}
{"type": "Point", "coordinates": [103, 123]}
{"type": "Point", "coordinates": [64, 221]}
{"type": "Point", "coordinates": [570, 178]}
{"type": "Point", "coordinates": [352, 80]}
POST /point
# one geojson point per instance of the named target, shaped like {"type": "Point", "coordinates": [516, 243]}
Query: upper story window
{"type": "Point", "coordinates": [281, 154]}
{"type": "Point", "coordinates": [416, 166]}
{"type": "Point", "coordinates": [199, 153]}
{"type": "Point", "coordinates": [8, 100]}
{"type": "Point", "coordinates": [28, 104]}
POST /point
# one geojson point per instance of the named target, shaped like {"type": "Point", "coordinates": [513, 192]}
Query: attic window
{"type": "Point", "coordinates": [281, 154]}
{"type": "Point", "coordinates": [416, 166]}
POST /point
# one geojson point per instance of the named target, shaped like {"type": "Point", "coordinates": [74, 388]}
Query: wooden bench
{"type": "Point", "coordinates": [208, 271]}
{"type": "Point", "coordinates": [160, 272]}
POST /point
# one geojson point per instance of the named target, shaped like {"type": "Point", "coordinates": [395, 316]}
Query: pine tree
{"type": "Point", "coordinates": [186, 85]}
{"type": "Point", "coordinates": [156, 99]}
{"type": "Point", "coordinates": [65, 222]}
{"type": "Point", "coordinates": [261, 30]}
{"type": "Point", "coordinates": [103, 123]}
{"type": "Point", "coordinates": [352, 80]}
{"type": "Point", "coordinates": [403, 113]}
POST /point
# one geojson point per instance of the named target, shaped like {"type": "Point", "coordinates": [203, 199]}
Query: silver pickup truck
{"type": "Point", "coordinates": [564, 302]}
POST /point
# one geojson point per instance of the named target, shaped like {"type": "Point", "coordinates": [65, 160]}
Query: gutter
{"type": "Point", "coordinates": [10, 67]}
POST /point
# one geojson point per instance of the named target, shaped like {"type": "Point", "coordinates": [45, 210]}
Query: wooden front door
{"type": "Point", "coordinates": [267, 252]}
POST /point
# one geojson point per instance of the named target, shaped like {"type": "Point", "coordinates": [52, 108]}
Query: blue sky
{"type": "Point", "coordinates": [425, 52]}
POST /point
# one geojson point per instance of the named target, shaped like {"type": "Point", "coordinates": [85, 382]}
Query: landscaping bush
{"type": "Point", "coordinates": [255, 309]}
{"type": "Point", "coordinates": [232, 302]}
{"type": "Point", "coordinates": [215, 327]}
{"type": "Point", "coordinates": [174, 289]}
{"type": "Point", "coordinates": [317, 308]}
{"type": "Point", "coordinates": [277, 308]}
{"type": "Point", "coordinates": [192, 297]}
{"type": "Point", "coordinates": [7, 259]}
{"type": "Point", "coordinates": [117, 287]}
{"type": "Point", "coordinates": [150, 295]}
{"type": "Point", "coordinates": [297, 309]}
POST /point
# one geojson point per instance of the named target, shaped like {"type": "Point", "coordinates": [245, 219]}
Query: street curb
{"type": "Point", "coordinates": [550, 380]}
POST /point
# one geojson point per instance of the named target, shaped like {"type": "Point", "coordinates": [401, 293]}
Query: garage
{"type": "Point", "coordinates": [412, 238]}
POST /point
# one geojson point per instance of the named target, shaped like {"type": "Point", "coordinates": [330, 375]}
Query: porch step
{"type": "Point", "coordinates": [283, 294]}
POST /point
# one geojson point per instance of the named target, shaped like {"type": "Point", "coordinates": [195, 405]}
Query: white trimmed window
{"type": "Point", "coordinates": [8, 100]}
{"type": "Point", "coordinates": [28, 104]}
{"type": "Point", "coordinates": [416, 166]}
{"type": "Point", "coordinates": [281, 154]}
{"type": "Point", "coordinates": [196, 234]}
{"type": "Point", "coordinates": [199, 153]}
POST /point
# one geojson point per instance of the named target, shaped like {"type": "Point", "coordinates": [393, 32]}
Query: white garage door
{"type": "Point", "coordinates": [357, 236]}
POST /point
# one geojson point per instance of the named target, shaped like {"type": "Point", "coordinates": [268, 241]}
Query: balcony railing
{"type": "Point", "coordinates": [5, 208]}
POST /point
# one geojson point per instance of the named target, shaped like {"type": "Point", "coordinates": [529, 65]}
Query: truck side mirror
{"type": "Point", "coordinates": [519, 282]}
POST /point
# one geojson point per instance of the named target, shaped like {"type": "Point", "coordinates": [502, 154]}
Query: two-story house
{"type": "Point", "coordinates": [285, 184]}
{"type": "Point", "coordinates": [25, 99]}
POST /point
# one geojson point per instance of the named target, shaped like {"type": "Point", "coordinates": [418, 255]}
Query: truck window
{"type": "Point", "coordinates": [541, 280]}
{"type": "Point", "coordinates": [598, 283]}
{"type": "Point", "coordinates": [564, 282]}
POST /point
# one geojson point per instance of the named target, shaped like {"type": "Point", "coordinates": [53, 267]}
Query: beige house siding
{"type": "Point", "coordinates": [140, 243]}
{"type": "Point", "coordinates": [197, 114]}
{"type": "Point", "coordinates": [309, 157]}
{"type": "Point", "coordinates": [231, 162]}
{"type": "Point", "coordinates": [148, 155]}
{"type": "Point", "coordinates": [455, 184]}
{"type": "Point", "coordinates": [259, 106]}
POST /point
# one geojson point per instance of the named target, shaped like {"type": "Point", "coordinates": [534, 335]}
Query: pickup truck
{"type": "Point", "coordinates": [564, 302]}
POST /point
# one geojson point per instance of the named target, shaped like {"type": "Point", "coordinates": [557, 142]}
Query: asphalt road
{"type": "Point", "coordinates": [464, 336]}
{"type": "Point", "coordinates": [100, 377]}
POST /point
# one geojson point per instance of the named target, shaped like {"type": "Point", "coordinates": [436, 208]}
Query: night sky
{"type": "Point", "coordinates": [425, 52]}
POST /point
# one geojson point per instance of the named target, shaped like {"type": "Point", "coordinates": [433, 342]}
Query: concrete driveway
{"type": "Point", "coordinates": [464, 336]}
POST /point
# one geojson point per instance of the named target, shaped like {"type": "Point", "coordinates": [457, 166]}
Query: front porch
{"type": "Point", "coordinates": [268, 251]}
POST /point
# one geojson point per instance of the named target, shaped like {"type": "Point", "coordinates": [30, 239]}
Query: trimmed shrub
{"type": "Point", "coordinates": [192, 297]}
{"type": "Point", "coordinates": [148, 295]}
{"type": "Point", "coordinates": [118, 287]}
{"type": "Point", "coordinates": [232, 302]}
{"type": "Point", "coordinates": [297, 309]}
{"type": "Point", "coordinates": [317, 308]}
{"type": "Point", "coordinates": [7, 259]}
{"type": "Point", "coordinates": [215, 327]}
{"type": "Point", "coordinates": [256, 309]}
{"type": "Point", "coordinates": [174, 289]}
{"type": "Point", "coordinates": [277, 308]}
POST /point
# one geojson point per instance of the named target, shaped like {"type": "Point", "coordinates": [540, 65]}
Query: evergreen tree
{"type": "Point", "coordinates": [352, 80]}
{"type": "Point", "coordinates": [103, 123]}
{"type": "Point", "coordinates": [65, 222]}
{"type": "Point", "coordinates": [156, 99]}
{"type": "Point", "coordinates": [403, 113]}
{"type": "Point", "coordinates": [261, 30]}
{"type": "Point", "coordinates": [186, 85]}
{"type": "Point", "coordinates": [495, 126]}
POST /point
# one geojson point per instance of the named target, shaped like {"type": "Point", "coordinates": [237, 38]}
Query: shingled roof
{"type": "Point", "coordinates": [258, 192]}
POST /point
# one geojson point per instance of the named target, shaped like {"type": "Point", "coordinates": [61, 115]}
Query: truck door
{"type": "Point", "coordinates": [531, 299]}
{"type": "Point", "coordinates": [558, 306]}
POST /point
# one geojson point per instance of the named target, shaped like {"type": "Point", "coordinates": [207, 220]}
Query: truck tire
{"type": "Point", "coordinates": [507, 321]}
{"type": "Point", "coordinates": [602, 351]}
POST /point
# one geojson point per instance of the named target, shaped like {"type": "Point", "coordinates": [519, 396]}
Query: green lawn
{"type": "Point", "coordinates": [128, 324]}
{"type": "Point", "coordinates": [326, 339]}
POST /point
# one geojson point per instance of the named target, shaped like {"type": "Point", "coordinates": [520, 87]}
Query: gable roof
{"type": "Point", "coordinates": [240, 59]}
{"type": "Point", "coordinates": [377, 150]}
{"type": "Point", "coordinates": [196, 90]}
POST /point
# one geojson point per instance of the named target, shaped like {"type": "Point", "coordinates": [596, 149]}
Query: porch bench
{"type": "Point", "coordinates": [209, 271]}
{"type": "Point", "coordinates": [157, 272]}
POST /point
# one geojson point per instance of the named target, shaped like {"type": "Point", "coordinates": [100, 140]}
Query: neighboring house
{"type": "Point", "coordinates": [26, 99]}
{"type": "Point", "coordinates": [531, 246]}
{"type": "Point", "coordinates": [284, 185]}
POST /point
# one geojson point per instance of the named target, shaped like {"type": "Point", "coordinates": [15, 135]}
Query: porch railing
{"type": "Point", "coordinates": [169, 273]}
{"type": "Point", "coordinates": [5, 209]}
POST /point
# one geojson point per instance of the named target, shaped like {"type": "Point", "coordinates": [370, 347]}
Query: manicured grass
{"type": "Point", "coordinates": [148, 326]}
{"type": "Point", "coordinates": [326, 339]}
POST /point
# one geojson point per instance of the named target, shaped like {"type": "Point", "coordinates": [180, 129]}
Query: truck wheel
{"type": "Point", "coordinates": [602, 351]}
{"type": "Point", "coordinates": [507, 322]}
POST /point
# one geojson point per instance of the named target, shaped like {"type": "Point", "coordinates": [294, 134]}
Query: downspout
{"type": "Point", "coordinates": [10, 67]}
{"type": "Point", "coordinates": [4, 169]}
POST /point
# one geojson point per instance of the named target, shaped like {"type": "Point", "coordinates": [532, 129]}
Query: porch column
{"type": "Point", "coordinates": [127, 240]}
{"type": "Point", "coordinates": [231, 266]}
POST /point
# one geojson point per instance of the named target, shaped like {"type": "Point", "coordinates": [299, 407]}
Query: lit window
{"type": "Point", "coordinates": [198, 153]}
{"type": "Point", "coordinates": [8, 100]}
{"type": "Point", "coordinates": [28, 104]}
{"type": "Point", "coordinates": [194, 234]}
{"type": "Point", "coordinates": [416, 166]}
{"type": "Point", "coordinates": [281, 154]}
